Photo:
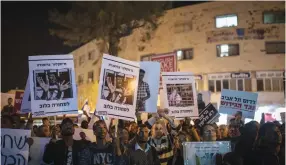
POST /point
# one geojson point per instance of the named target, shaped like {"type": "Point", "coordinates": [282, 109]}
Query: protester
{"type": "Point", "coordinates": [84, 124]}
{"type": "Point", "coordinates": [133, 129]}
{"type": "Point", "coordinates": [43, 131]}
{"type": "Point", "coordinates": [8, 109]}
{"type": "Point", "coordinates": [140, 152]}
{"type": "Point", "coordinates": [208, 133]}
{"type": "Point", "coordinates": [223, 131]}
{"type": "Point", "coordinates": [7, 122]}
{"type": "Point", "coordinates": [46, 122]}
{"type": "Point", "coordinates": [246, 141]}
{"type": "Point", "coordinates": [92, 154]}
{"type": "Point", "coordinates": [65, 151]}
{"type": "Point", "coordinates": [267, 146]}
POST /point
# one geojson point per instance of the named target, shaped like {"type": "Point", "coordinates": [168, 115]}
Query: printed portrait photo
{"type": "Point", "coordinates": [180, 95]}
{"type": "Point", "coordinates": [52, 84]}
{"type": "Point", "coordinates": [118, 87]}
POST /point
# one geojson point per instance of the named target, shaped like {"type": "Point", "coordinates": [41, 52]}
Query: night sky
{"type": "Point", "coordinates": [24, 32]}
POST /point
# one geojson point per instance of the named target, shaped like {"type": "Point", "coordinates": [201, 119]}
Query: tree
{"type": "Point", "coordinates": [105, 20]}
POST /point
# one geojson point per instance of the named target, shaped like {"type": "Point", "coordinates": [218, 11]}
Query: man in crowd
{"type": "Point", "coordinates": [140, 152]}
{"type": "Point", "coordinates": [101, 152]}
{"type": "Point", "coordinates": [7, 122]}
{"type": "Point", "coordinates": [143, 92]}
{"type": "Point", "coordinates": [65, 151]}
{"type": "Point", "coordinates": [8, 109]}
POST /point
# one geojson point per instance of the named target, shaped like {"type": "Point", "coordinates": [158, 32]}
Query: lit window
{"type": "Point", "coordinates": [186, 54]}
{"type": "Point", "coordinates": [179, 55]}
{"type": "Point", "coordinates": [226, 21]}
{"type": "Point", "coordinates": [275, 47]}
{"type": "Point", "coordinates": [226, 50]}
{"type": "Point", "coordinates": [272, 17]}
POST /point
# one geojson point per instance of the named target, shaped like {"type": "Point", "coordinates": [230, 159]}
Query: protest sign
{"type": "Point", "coordinates": [207, 116]}
{"type": "Point", "coordinates": [204, 153]}
{"type": "Point", "coordinates": [14, 149]}
{"type": "Point", "coordinates": [180, 94]}
{"type": "Point", "coordinates": [52, 85]}
{"type": "Point", "coordinates": [26, 101]}
{"type": "Point", "coordinates": [86, 134]}
{"type": "Point", "coordinates": [18, 101]}
{"type": "Point", "coordinates": [117, 88]}
{"type": "Point", "coordinates": [37, 150]}
{"type": "Point", "coordinates": [233, 101]}
{"type": "Point", "coordinates": [148, 87]}
{"type": "Point", "coordinates": [168, 62]}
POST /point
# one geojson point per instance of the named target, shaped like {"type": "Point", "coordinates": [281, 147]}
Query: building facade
{"type": "Point", "coordinates": [227, 45]}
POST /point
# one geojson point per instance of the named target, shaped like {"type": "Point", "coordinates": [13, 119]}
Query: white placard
{"type": "Point", "coordinates": [80, 133]}
{"type": "Point", "coordinates": [117, 88]}
{"type": "Point", "coordinates": [204, 153]}
{"type": "Point", "coordinates": [180, 95]}
{"type": "Point", "coordinates": [52, 85]}
{"type": "Point", "coordinates": [232, 101]}
{"type": "Point", "coordinates": [37, 150]}
{"type": "Point", "coordinates": [14, 149]}
{"type": "Point", "coordinates": [26, 102]}
{"type": "Point", "coordinates": [150, 72]}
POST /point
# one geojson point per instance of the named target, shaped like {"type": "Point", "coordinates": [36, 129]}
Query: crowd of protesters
{"type": "Point", "coordinates": [158, 141]}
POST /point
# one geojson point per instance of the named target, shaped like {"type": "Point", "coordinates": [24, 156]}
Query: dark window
{"type": "Point", "coordinates": [146, 58]}
{"type": "Point", "coordinates": [211, 86]}
{"type": "Point", "coordinates": [247, 85]}
{"type": "Point", "coordinates": [260, 85]}
{"type": "Point", "coordinates": [81, 59]}
{"type": "Point", "coordinates": [267, 84]}
{"type": "Point", "coordinates": [225, 84]}
{"type": "Point", "coordinates": [91, 55]}
{"type": "Point", "coordinates": [218, 85]}
{"type": "Point", "coordinates": [232, 84]}
{"type": "Point", "coordinates": [186, 54]}
{"type": "Point", "coordinates": [275, 47]}
{"type": "Point", "coordinates": [240, 85]}
{"type": "Point", "coordinates": [90, 76]}
{"type": "Point", "coordinates": [271, 17]}
{"type": "Point", "coordinates": [80, 79]}
{"type": "Point", "coordinates": [226, 50]}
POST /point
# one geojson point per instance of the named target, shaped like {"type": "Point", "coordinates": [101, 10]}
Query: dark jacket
{"type": "Point", "coordinates": [57, 152]}
{"type": "Point", "coordinates": [139, 157]}
{"type": "Point", "coordinates": [261, 157]}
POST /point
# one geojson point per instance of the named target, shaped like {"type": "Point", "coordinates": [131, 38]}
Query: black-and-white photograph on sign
{"type": "Point", "coordinates": [117, 88]}
{"type": "Point", "coordinates": [52, 85]}
{"type": "Point", "coordinates": [180, 94]}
